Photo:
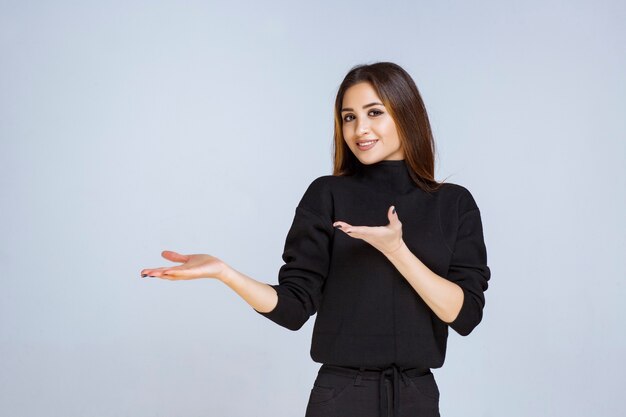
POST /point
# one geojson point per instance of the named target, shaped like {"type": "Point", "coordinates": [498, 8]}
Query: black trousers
{"type": "Point", "coordinates": [340, 391]}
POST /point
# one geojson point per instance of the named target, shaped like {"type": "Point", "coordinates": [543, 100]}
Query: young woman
{"type": "Point", "coordinates": [387, 257]}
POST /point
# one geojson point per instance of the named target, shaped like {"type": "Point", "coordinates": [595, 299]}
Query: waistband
{"type": "Point", "coordinates": [394, 372]}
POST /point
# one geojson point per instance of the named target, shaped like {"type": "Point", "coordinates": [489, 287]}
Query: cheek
{"type": "Point", "coordinates": [381, 126]}
{"type": "Point", "coordinates": [390, 132]}
{"type": "Point", "coordinates": [346, 132]}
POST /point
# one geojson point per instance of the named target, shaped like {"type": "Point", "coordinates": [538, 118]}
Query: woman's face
{"type": "Point", "coordinates": [368, 129]}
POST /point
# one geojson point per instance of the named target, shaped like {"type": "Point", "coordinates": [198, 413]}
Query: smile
{"type": "Point", "coordinates": [367, 144]}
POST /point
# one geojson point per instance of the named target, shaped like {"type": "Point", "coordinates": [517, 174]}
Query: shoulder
{"type": "Point", "coordinates": [319, 187]}
{"type": "Point", "coordinates": [318, 196]}
{"type": "Point", "coordinates": [456, 198]}
{"type": "Point", "coordinates": [456, 202]}
{"type": "Point", "coordinates": [322, 182]}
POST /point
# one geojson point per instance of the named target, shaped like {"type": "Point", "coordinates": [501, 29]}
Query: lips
{"type": "Point", "coordinates": [366, 144]}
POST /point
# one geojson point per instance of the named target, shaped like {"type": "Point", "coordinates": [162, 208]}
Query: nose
{"type": "Point", "coordinates": [363, 127]}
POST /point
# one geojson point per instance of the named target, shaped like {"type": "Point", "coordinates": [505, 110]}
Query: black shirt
{"type": "Point", "coordinates": [368, 315]}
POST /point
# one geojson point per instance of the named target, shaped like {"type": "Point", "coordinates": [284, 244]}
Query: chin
{"type": "Point", "coordinates": [370, 160]}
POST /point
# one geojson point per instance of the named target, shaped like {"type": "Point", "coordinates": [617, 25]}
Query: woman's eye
{"type": "Point", "coordinates": [376, 113]}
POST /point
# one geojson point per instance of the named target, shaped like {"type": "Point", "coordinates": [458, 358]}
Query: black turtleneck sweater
{"type": "Point", "coordinates": [368, 315]}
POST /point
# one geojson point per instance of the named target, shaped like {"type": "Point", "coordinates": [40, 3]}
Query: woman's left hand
{"type": "Point", "coordinates": [386, 239]}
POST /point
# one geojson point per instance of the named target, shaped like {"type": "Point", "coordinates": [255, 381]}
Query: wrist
{"type": "Point", "coordinates": [226, 275]}
{"type": "Point", "coordinates": [396, 251]}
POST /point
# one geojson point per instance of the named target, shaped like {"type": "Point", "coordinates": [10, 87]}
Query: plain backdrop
{"type": "Point", "coordinates": [128, 128]}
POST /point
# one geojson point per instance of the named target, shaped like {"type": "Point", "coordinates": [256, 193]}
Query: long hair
{"type": "Point", "coordinates": [402, 99]}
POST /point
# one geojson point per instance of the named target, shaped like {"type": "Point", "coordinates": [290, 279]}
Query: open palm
{"type": "Point", "coordinates": [193, 267]}
{"type": "Point", "coordinates": [386, 239]}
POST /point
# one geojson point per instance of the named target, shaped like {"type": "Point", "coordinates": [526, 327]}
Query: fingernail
{"type": "Point", "coordinates": [394, 210]}
{"type": "Point", "coordinates": [338, 226]}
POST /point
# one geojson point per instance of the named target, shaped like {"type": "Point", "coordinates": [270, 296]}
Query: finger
{"type": "Point", "coordinates": [170, 275]}
{"type": "Point", "coordinates": [392, 213]}
{"type": "Point", "coordinates": [394, 220]}
{"type": "Point", "coordinates": [342, 225]}
{"type": "Point", "coordinates": [153, 272]}
{"type": "Point", "coordinates": [357, 231]}
{"type": "Point", "coordinates": [173, 274]}
{"type": "Point", "coordinates": [177, 272]}
{"type": "Point", "coordinates": [174, 256]}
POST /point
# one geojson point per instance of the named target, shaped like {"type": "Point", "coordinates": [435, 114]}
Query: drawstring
{"type": "Point", "coordinates": [393, 371]}
{"type": "Point", "coordinates": [397, 374]}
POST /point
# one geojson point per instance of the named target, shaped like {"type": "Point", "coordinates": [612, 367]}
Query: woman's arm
{"type": "Point", "coordinates": [261, 296]}
{"type": "Point", "coordinates": [444, 297]}
{"type": "Point", "coordinates": [458, 299]}
{"type": "Point", "coordinates": [306, 254]}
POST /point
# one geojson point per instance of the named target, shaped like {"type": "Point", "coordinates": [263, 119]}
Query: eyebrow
{"type": "Point", "coordinates": [366, 106]}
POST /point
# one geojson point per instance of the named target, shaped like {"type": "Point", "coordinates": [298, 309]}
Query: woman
{"type": "Point", "coordinates": [385, 255]}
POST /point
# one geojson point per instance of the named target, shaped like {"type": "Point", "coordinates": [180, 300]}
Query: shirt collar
{"type": "Point", "coordinates": [391, 175]}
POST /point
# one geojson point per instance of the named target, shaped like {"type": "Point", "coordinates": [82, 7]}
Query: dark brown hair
{"type": "Point", "coordinates": [402, 99]}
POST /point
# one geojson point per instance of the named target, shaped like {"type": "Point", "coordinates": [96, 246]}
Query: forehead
{"type": "Point", "coordinates": [359, 93]}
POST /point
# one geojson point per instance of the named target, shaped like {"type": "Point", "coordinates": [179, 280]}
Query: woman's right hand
{"type": "Point", "coordinates": [193, 267]}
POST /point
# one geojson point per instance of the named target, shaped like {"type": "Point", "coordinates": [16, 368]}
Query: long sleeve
{"type": "Point", "coordinates": [468, 267]}
{"type": "Point", "coordinates": [307, 258]}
